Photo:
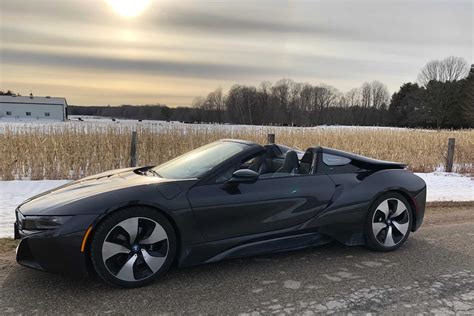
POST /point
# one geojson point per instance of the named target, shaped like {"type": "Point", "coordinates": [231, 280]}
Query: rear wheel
{"type": "Point", "coordinates": [132, 247]}
{"type": "Point", "coordinates": [388, 223]}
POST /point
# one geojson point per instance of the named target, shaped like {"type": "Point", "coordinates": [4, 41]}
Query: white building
{"type": "Point", "coordinates": [31, 107]}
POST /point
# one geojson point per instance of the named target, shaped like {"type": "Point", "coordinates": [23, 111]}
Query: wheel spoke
{"type": "Point", "coordinates": [402, 228]}
{"type": "Point", "coordinates": [110, 249]}
{"type": "Point", "coordinates": [384, 208]}
{"type": "Point", "coordinates": [157, 235]}
{"type": "Point", "coordinates": [377, 227]}
{"type": "Point", "coordinates": [135, 249]}
{"type": "Point", "coordinates": [131, 227]}
{"type": "Point", "coordinates": [126, 272]}
{"type": "Point", "coordinates": [389, 242]}
{"type": "Point", "coordinates": [154, 263]}
{"type": "Point", "coordinates": [396, 222]}
{"type": "Point", "coordinates": [400, 209]}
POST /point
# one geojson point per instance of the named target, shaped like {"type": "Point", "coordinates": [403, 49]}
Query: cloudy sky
{"type": "Point", "coordinates": [94, 52]}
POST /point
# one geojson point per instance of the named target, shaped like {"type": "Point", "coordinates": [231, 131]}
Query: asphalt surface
{"type": "Point", "coordinates": [432, 273]}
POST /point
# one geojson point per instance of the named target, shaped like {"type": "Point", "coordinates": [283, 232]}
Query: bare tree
{"type": "Point", "coordinates": [281, 97]}
{"type": "Point", "coordinates": [294, 102]}
{"type": "Point", "coordinates": [374, 94]}
{"type": "Point", "coordinates": [234, 106]}
{"type": "Point", "coordinates": [200, 104]}
{"type": "Point", "coordinates": [324, 97]}
{"type": "Point", "coordinates": [242, 104]}
{"type": "Point", "coordinates": [455, 68]}
{"type": "Point", "coordinates": [264, 113]}
{"type": "Point", "coordinates": [380, 94]}
{"type": "Point", "coordinates": [430, 72]}
{"type": "Point", "coordinates": [366, 94]}
{"type": "Point", "coordinates": [449, 69]}
{"type": "Point", "coordinates": [215, 102]}
{"type": "Point", "coordinates": [328, 96]}
{"type": "Point", "coordinates": [353, 97]}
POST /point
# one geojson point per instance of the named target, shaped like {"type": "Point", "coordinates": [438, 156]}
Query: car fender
{"type": "Point", "coordinates": [345, 217]}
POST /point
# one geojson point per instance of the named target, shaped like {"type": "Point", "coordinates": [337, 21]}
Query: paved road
{"type": "Point", "coordinates": [432, 273]}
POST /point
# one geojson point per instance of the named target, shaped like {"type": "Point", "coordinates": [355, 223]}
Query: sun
{"type": "Point", "coordinates": [129, 8]}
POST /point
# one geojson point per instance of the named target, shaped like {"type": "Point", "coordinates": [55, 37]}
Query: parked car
{"type": "Point", "coordinates": [228, 199]}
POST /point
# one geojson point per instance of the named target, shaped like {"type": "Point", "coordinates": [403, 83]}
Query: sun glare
{"type": "Point", "coordinates": [129, 8]}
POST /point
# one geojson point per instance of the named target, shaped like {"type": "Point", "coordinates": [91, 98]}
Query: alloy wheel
{"type": "Point", "coordinates": [135, 249]}
{"type": "Point", "coordinates": [390, 222]}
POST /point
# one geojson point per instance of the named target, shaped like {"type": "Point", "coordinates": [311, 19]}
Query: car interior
{"type": "Point", "coordinates": [280, 161]}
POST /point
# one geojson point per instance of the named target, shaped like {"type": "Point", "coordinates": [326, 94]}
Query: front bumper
{"type": "Point", "coordinates": [58, 250]}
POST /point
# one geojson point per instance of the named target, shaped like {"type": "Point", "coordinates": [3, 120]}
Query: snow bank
{"type": "Point", "coordinates": [442, 186]}
{"type": "Point", "coordinates": [13, 193]}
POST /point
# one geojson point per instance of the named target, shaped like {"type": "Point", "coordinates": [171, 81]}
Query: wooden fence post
{"type": "Point", "coordinates": [450, 157]}
{"type": "Point", "coordinates": [271, 138]}
{"type": "Point", "coordinates": [133, 150]}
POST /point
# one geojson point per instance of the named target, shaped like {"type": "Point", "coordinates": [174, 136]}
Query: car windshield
{"type": "Point", "coordinates": [197, 162]}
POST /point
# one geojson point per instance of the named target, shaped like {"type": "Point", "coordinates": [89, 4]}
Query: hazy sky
{"type": "Point", "coordinates": [88, 52]}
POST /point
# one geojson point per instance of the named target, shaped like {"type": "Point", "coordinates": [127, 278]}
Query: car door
{"type": "Point", "coordinates": [269, 204]}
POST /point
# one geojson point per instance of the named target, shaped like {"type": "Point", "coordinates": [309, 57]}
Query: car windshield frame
{"type": "Point", "coordinates": [197, 163]}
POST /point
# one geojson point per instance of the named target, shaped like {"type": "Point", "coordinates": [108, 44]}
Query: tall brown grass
{"type": "Point", "coordinates": [76, 151]}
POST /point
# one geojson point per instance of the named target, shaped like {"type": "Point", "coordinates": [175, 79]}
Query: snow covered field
{"type": "Point", "coordinates": [94, 122]}
{"type": "Point", "coordinates": [441, 187]}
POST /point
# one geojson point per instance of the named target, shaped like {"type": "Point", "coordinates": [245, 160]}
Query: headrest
{"type": "Point", "coordinates": [291, 158]}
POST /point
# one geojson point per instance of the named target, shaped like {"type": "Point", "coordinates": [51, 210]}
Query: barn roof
{"type": "Point", "coordinates": [32, 100]}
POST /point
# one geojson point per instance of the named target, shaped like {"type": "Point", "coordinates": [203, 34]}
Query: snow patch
{"type": "Point", "coordinates": [444, 186]}
{"type": "Point", "coordinates": [12, 193]}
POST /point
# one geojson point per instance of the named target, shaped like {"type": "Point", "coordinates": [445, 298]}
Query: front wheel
{"type": "Point", "coordinates": [132, 247]}
{"type": "Point", "coordinates": [388, 223]}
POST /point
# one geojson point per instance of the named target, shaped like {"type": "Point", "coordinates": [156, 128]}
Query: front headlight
{"type": "Point", "coordinates": [43, 222]}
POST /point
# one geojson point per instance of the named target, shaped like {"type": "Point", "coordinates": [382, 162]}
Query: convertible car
{"type": "Point", "coordinates": [228, 199]}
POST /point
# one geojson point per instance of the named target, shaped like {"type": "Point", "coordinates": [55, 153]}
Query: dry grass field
{"type": "Point", "coordinates": [76, 150]}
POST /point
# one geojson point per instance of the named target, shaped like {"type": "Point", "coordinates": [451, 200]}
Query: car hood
{"type": "Point", "coordinates": [114, 180]}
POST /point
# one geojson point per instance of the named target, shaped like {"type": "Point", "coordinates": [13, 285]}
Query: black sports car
{"type": "Point", "coordinates": [228, 199]}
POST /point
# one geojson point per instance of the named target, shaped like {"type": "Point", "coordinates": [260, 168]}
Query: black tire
{"type": "Point", "coordinates": [162, 250]}
{"type": "Point", "coordinates": [376, 219]}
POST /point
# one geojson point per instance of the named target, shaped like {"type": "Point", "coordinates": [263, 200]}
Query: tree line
{"type": "Point", "coordinates": [285, 103]}
{"type": "Point", "coordinates": [139, 112]}
{"type": "Point", "coordinates": [442, 97]}
{"type": "Point", "coordinates": [296, 104]}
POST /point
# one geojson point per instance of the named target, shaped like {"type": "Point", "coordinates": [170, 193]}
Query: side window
{"type": "Point", "coordinates": [333, 160]}
{"type": "Point", "coordinates": [255, 163]}
{"type": "Point", "coordinates": [333, 164]}
{"type": "Point", "coordinates": [269, 166]}
{"type": "Point", "coordinates": [225, 175]}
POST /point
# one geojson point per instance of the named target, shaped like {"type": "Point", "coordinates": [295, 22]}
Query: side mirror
{"type": "Point", "coordinates": [243, 176]}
